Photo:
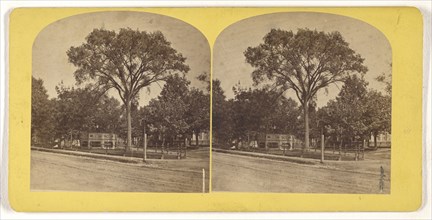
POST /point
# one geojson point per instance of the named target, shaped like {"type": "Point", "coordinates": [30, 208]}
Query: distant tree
{"type": "Point", "coordinates": [73, 108]}
{"type": "Point", "coordinates": [250, 107]}
{"type": "Point", "coordinates": [352, 101]}
{"type": "Point", "coordinates": [198, 111]}
{"type": "Point", "coordinates": [107, 115]}
{"type": "Point", "coordinates": [126, 61]}
{"type": "Point", "coordinates": [378, 114]}
{"type": "Point", "coordinates": [205, 78]}
{"type": "Point", "coordinates": [329, 118]}
{"type": "Point", "coordinates": [386, 78]}
{"type": "Point", "coordinates": [379, 106]}
{"type": "Point", "coordinates": [347, 114]}
{"type": "Point", "coordinates": [84, 109]}
{"type": "Point", "coordinates": [306, 62]}
{"type": "Point", "coordinates": [174, 98]}
{"type": "Point", "coordinates": [154, 117]}
{"type": "Point", "coordinates": [284, 118]}
{"type": "Point", "coordinates": [222, 121]}
{"type": "Point", "coordinates": [167, 113]}
{"type": "Point", "coordinates": [263, 110]}
{"type": "Point", "coordinates": [42, 121]}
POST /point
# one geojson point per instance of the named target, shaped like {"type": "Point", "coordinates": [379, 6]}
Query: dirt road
{"type": "Point", "coordinates": [58, 172]}
{"type": "Point", "coordinates": [249, 174]}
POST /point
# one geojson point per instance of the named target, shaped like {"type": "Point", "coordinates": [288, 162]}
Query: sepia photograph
{"type": "Point", "coordinates": [301, 103]}
{"type": "Point", "coordinates": [213, 109]}
{"type": "Point", "coordinates": [120, 103]}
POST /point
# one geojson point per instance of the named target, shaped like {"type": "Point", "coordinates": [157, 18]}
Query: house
{"type": "Point", "coordinates": [203, 139]}
{"type": "Point", "coordinates": [104, 140]}
{"type": "Point", "coordinates": [280, 141]}
{"type": "Point", "coordinates": [383, 140]}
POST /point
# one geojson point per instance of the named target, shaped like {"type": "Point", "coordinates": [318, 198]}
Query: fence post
{"type": "Point", "coordinates": [145, 147]}
{"type": "Point", "coordinates": [203, 180]}
{"type": "Point", "coordinates": [322, 148]}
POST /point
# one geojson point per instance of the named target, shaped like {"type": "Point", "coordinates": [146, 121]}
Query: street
{"type": "Point", "coordinates": [237, 173]}
{"type": "Point", "coordinates": [59, 172]}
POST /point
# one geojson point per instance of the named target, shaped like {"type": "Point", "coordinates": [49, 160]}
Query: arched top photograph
{"type": "Point", "coordinates": [305, 87]}
{"type": "Point", "coordinates": [120, 86]}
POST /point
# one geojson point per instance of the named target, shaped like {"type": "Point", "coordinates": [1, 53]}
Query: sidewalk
{"type": "Point", "coordinates": [194, 165]}
{"type": "Point", "coordinates": [92, 155]}
{"type": "Point", "coordinates": [270, 156]}
{"type": "Point", "coordinates": [362, 166]}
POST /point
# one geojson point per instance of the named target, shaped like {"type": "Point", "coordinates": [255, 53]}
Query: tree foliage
{"type": "Point", "coordinates": [250, 112]}
{"type": "Point", "coordinates": [305, 61]}
{"type": "Point", "coordinates": [356, 113]}
{"type": "Point", "coordinates": [386, 78]}
{"type": "Point", "coordinates": [262, 110]}
{"type": "Point", "coordinates": [42, 126]}
{"type": "Point", "coordinates": [349, 109]}
{"type": "Point", "coordinates": [198, 112]}
{"type": "Point", "coordinates": [126, 61]}
{"type": "Point", "coordinates": [378, 113]}
{"type": "Point", "coordinates": [222, 115]}
{"type": "Point", "coordinates": [85, 109]}
{"type": "Point", "coordinates": [167, 113]}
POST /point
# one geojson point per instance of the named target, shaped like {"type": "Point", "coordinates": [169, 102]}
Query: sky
{"type": "Point", "coordinates": [231, 68]}
{"type": "Point", "coordinates": [50, 62]}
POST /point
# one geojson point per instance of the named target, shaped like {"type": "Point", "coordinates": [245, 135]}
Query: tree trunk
{"type": "Point", "coordinates": [162, 148]}
{"type": "Point", "coordinates": [196, 139]}
{"type": "Point", "coordinates": [334, 148]}
{"type": "Point", "coordinates": [375, 141]}
{"type": "Point", "coordinates": [356, 150]}
{"type": "Point", "coordinates": [178, 152]}
{"type": "Point", "coordinates": [314, 145]}
{"type": "Point", "coordinates": [363, 148]}
{"type": "Point", "coordinates": [345, 146]}
{"type": "Point", "coordinates": [129, 125]}
{"type": "Point", "coordinates": [306, 123]}
{"type": "Point", "coordinates": [185, 148]}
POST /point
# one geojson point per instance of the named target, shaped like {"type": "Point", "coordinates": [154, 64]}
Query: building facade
{"type": "Point", "coordinates": [203, 139]}
{"type": "Point", "coordinates": [103, 140]}
{"type": "Point", "coordinates": [280, 141]}
{"type": "Point", "coordinates": [383, 140]}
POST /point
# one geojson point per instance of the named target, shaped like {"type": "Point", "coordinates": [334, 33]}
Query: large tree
{"type": "Point", "coordinates": [305, 61]}
{"type": "Point", "coordinates": [126, 61]}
